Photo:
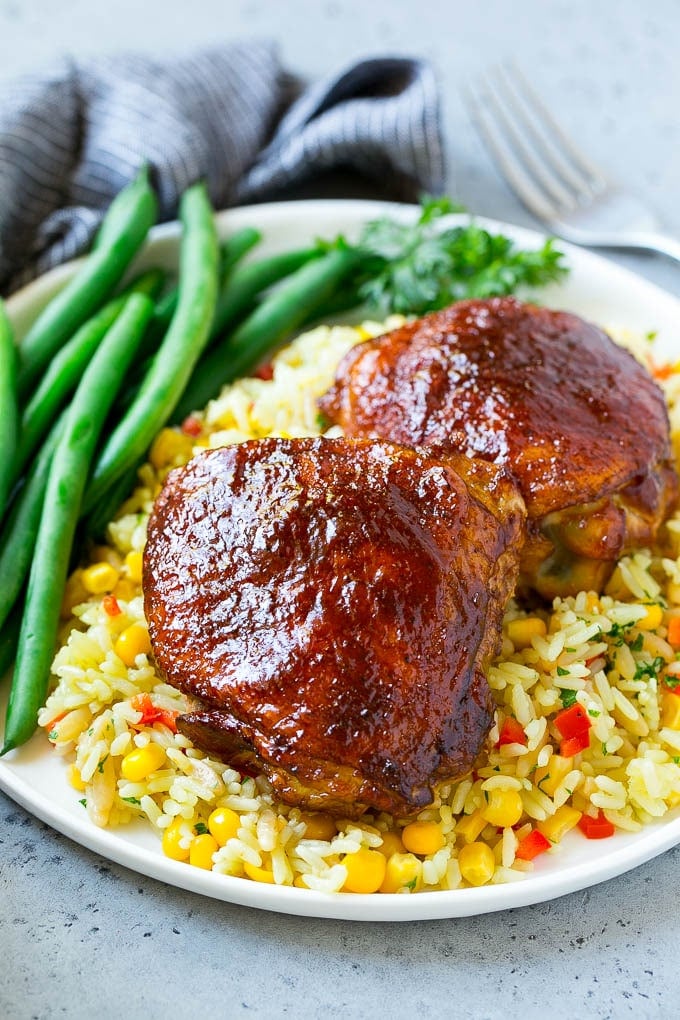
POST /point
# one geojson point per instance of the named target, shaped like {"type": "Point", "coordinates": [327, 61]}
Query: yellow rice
{"type": "Point", "coordinates": [609, 653]}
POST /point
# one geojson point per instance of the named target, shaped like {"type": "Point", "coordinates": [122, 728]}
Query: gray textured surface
{"type": "Point", "coordinates": [76, 931]}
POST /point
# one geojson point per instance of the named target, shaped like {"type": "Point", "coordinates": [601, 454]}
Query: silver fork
{"type": "Point", "coordinates": [556, 181]}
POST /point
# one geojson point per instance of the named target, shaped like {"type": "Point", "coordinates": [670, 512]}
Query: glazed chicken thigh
{"type": "Point", "coordinates": [576, 420]}
{"type": "Point", "coordinates": [329, 606]}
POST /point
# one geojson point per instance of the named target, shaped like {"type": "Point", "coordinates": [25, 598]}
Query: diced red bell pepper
{"type": "Point", "coordinates": [663, 371]}
{"type": "Point", "coordinates": [265, 372]}
{"type": "Point", "coordinates": [574, 745]}
{"type": "Point", "coordinates": [572, 722]}
{"type": "Point", "coordinates": [152, 714]}
{"type": "Point", "coordinates": [596, 828]}
{"type": "Point", "coordinates": [110, 605]}
{"type": "Point", "coordinates": [143, 703]}
{"type": "Point", "coordinates": [512, 732]}
{"type": "Point", "coordinates": [191, 426]}
{"type": "Point", "coordinates": [532, 845]}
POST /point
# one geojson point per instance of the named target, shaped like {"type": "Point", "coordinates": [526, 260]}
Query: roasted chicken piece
{"type": "Point", "coordinates": [574, 418]}
{"type": "Point", "coordinates": [330, 606]}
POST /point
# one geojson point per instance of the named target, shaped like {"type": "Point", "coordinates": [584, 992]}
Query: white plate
{"type": "Point", "coordinates": [36, 778]}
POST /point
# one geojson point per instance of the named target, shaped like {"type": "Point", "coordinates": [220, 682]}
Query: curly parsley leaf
{"type": "Point", "coordinates": [567, 697]}
{"type": "Point", "coordinates": [649, 670]}
{"type": "Point", "coordinates": [672, 681]}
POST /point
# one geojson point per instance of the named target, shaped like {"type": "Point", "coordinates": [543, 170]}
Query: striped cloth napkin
{"type": "Point", "coordinates": [72, 136]}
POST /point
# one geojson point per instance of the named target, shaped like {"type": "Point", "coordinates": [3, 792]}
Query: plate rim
{"type": "Point", "coordinates": [632, 850]}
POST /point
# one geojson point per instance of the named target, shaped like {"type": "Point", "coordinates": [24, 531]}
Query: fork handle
{"type": "Point", "coordinates": [643, 240]}
{"type": "Point", "coordinates": [662, 243]}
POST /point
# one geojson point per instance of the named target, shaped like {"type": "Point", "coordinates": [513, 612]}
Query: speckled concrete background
{"type": "Point", "coordinates": [80, 937]}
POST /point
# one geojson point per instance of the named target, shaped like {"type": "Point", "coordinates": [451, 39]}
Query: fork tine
{"type": "Point", "coordinates": [534, 161]}
{"type": "Point", "coordinates": [510, 166]}
{"type": "Point", "coordinates": [590, 178]}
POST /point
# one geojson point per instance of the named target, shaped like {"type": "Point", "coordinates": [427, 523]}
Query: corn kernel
{"type": "Point", "coordinates": [558, 825]}
{"type": "Point", "coordinates": [365, 871]}
{"type": "Point", "coordinates": [470, 826]}
{"type": "Point", "coordinates": [74, 593]}
{"type": "Point", "coordinates": [549, 777]}
{"type": "Point", "coordinates": [477, 863]}
{"type": "Point", "coordinates": [170, 447]}
{"type": "Point", "coordinates": [673, 592]}
{"type": "Point", "coordinates": [99, 578]}
{"type": "Point", "coordinates": [670, 710]}
{"type": "Point", "coordinates": [319, 826]}
{"type": "Point", "coordinates": [133, 566]}
{"type": "Point", "coordinates": [223, 824]}
{"type": "Point", "coordinates": [423, 838]}
{"type": "Point", "coordinates": [125, 590]}
{"type": "Point", "coordinates": [201, 851]}
{"type": "Point", "coordinates": [172, 840]}
{"type": "Point", "coordinates": [258, 874]}
{"type": "Point", "coordinates": [652, 618]}
{"type": "Point", "coordinates": [391, 843]}
{"type": "Point", "coordinates": [503, 808]}
{"type": "Point", "coordinates": [402, 871]}
{"type": "Point", "coordinates": [521, 632]}
{"type": "Point", "coordinates": [140, 763]}
{"type": "Point", "coordinates": [133, 641]}
{"type": "Point", "coordinates": [75, 779]}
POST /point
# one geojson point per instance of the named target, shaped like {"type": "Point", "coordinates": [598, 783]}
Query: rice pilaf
{"type": "Point", "coordinates": [605, 666]}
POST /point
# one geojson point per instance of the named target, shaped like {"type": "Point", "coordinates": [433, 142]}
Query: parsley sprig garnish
{"type": "Point", "coordinates": [421, 267]}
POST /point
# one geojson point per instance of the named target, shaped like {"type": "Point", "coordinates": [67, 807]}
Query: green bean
{"type": "Point", "coordinates": [244, 285]}
{"type": "Point", "coordinates": [122, 233]}
{"type": "Point", "coordinates": [239, 290]}
{"type": "Point", "coordinates": [21, 527]}
{"type": "Point", "coordinates": [9, 413]}
{"type": "Point", "coordinates": [346, 299]}
{"type": "Point", "coordinates": [233, 249]}
{"type": "Point", "coordinates": [150, 282]}
{"type": "Point", "coordinates": [272, 321]}
{"type": "Point", "coordinates": [67, 366]}
{"type": "Point", "coordinates": [162, 317]}
{"type": "Point", "coordinates": [65, 485]}
{"type": "Point", "coordinates": [231, 252]}
{"type": "Point", "coordinates": [9, 640]}
{"type": "Point", "coordinates": [169, 373]}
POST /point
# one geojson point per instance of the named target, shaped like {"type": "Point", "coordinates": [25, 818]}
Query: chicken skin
{"type": "Point", "coordinates": [574, 418]}
{"type": "Point", "coordinates": [329, 607]}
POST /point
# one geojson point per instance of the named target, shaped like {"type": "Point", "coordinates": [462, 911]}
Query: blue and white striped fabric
{"type": "Point", "coordinates": [72, 136]}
